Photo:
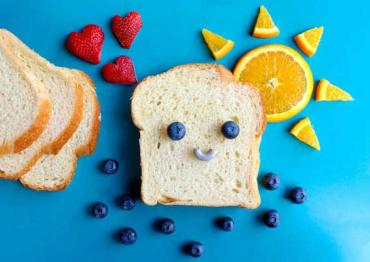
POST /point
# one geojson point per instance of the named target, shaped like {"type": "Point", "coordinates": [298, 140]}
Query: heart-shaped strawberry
{"type": "Point", "coordinates": [122, 71]}
{"type": "Point", "coordinates": [126, 28]}
{"type": "Point", "coordinates": [87, 44]}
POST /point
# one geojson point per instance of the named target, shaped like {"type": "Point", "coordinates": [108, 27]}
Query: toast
{"type": "Point", "coordinates": [55, 172]}
{"type": "Point", "coordinates": [25, 106]}
{"type": "Point", "coordinates": [67, 105]}
{"type": "Point", "coordinates": [202, 97]}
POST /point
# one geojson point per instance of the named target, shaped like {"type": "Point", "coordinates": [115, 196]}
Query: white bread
{"type": "Point", "coordinates": [55, 172]}
{"type": "Point", "coordinates": [203, 97]}
{"type": "Point", "coordinates": [25, 106]}
{"type": "Point", "coordinates": [67, 104]}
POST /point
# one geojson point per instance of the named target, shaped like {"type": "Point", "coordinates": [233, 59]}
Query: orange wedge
{"type": "Point", "coordinates": [218, 45]}
{"type": "Point", "coordinates": [304, 132]}
{"type": "Point", "coordinates": [309, 40]}
{"type": "Point", "coordinates": [265, 26]}
{"type": "Point", "coordinates": [325, 91]}
{"type": "Point", "coordinates": [282, 76]}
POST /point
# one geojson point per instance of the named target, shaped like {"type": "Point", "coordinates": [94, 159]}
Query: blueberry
{"type": "Point", "coordinates": [230, 129]}
{"type": "Point", "coordinates": [227, 223]}
{"type": "Point", "coordinates": [110, 166]}
{"type": "Point", "coordinates": [195, 249]}
{"type": "Point", "coordinates": [271, 181]}
{"type": "Point", "coordinates": [127, 236]}
{"type": "Point", "coordinates": [167, 226]}
{"type": "Point", "coordinates": [298, 195]}
{"type": "Point", "coordinates": [176, 131]}
{"type": "Point", "coordinates": [127, 202]}
{"type": "Point", "coordinates": [100, 210]}
{"type": "Point", "coordinates": [271, 218]}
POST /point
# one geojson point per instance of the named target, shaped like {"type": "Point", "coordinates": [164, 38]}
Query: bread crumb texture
{"type": "Point", "coordinates": [203, 97]}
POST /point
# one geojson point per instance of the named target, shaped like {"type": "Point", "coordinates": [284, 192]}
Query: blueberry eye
{"type": "Point", "coordinates": [176, 131]}
{"type": "Point", "coordinates": [230, 130]}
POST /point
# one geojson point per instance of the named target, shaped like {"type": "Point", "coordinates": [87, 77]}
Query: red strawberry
{"type": "Point", "coordinates": [126, 28]}
{"type": "Point", "coordinates": [122, 71]}
{"type": "Point", "coordinates": [87, 44]}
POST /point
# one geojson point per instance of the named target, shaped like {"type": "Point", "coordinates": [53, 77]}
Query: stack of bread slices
{"type": "Point", "coordinates": [49, 117]}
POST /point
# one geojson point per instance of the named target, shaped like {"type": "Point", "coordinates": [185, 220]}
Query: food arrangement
{"type": "Point", "coordinates": [200, 125]}
{"type": "Point", "coordinates": [58, 113]}
{"type": "Point", "coordinates": [31, 115]}
{"type": "Point", "coordinates": [87, 45]}
{"type": "Point", "coordinates": [281, 74]}
{"type": "Point", "coordinates": [70, 131]}
{"type": "Point", "coordinates": [210, 153]}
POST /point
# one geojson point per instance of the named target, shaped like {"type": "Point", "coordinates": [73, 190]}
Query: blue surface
{"type": "Point", "coordinates": [333, 225]}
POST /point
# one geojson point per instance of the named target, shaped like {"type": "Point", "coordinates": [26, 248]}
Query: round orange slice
{"type": "Point", "coordinates": [282, 76]}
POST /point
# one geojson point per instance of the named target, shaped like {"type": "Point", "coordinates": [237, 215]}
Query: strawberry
{"type": "Point", "coordinates": [122, 71]}
{"type": "Point", "coordinates": [87, 44]}
{"type": "Point", "coordinates": [126, 28]}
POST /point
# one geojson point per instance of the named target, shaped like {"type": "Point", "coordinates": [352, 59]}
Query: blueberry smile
{"type": "Point", "coordinates": [209, 155]}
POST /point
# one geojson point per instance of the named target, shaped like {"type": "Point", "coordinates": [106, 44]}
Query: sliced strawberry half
{"type": "Point", "coordinates": [86, 44]}
{"type": "Point", "coordinates": [126, 28]}
{"type": "Point", "coordinates": [122, 71]}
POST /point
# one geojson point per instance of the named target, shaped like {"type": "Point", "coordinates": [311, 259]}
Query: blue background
{"type": "Point", "coordinates": [333, 225]}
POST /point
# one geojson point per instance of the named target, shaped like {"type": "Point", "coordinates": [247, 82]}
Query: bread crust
{"type": "Point", "coordinates": [36, 129]}
{"type": "Point", "coordinates": [82, 150]}
{"type": "Point", "coordinates": [227, 77]}
{"type": "Point", "coordinates": [58, 187]}
{"type": "Point", "coordinates": [74, 122]}
{"type": "Point", "coordinates": [94, 133]}
{"type": "Point", "coordinates": [33, 132]}
{"type": "Point", "coordinates": [42, 117]}
{"type": "Point", "coordinates": [54, 146]}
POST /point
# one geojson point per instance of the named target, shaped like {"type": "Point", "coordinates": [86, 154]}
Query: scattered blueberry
{"type": "Point", "coordinates": [230, 129]}
{"type": "Point", "coordinates": [298, 195]}
{"type": "Point", "coordinates": [167, 226]}
{"type": "Point", "coordinates": [127, 236]}
{"type": "Point", "coordinates": [271, 218]}
{"type": "Point", "coordinates": [227, 223]}
{"type": "Point", "coordinates": [271, 181]}
{"type": "Point", "coordinates": [110, 166]}
{"type": "Point", "coordinates": [176, 131]}
{"type": "Point", "coordinates": [100, 210]}
{"type": "Point", "coordinates": [127, 202]}
{"type": "Point", "coordinates": [196, 249]}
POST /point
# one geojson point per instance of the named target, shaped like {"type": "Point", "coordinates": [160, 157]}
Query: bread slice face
{"type": "Point", "coordinates": [67, 104]}
{"type": "Point", "coordinates": [25, 106]}
{"type": "Point", "coordinates": [202, 97]}
{"type": "Point", "coordinates": [55, 172]}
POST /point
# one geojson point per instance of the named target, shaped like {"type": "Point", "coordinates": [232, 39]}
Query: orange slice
{"type": "Point", "coordinates": [304, 132]}
{"type": "Point", "coordinates": [309, 40]}
{"type": "Point", "coordinates": [265, 26]}
{"type": "Point", "coordinates": [325, 91]}
{"type": "Point", "coordinates": [218, 45]}
{"type": "Point", "coordinates": [282, 76]}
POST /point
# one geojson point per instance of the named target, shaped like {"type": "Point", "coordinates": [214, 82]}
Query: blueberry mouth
{"type": "Point", "coordinates": [207, 156]}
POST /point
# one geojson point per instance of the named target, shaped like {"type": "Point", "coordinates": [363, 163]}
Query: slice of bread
{"type": "Point", "coordinates": [55, 172]}
{"type": "Point", "coordinates": [25, 106]}
{"type": "Point", "coordinates": [67, 105]}
{"type": "Point", "coordinates": [203, 97]}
